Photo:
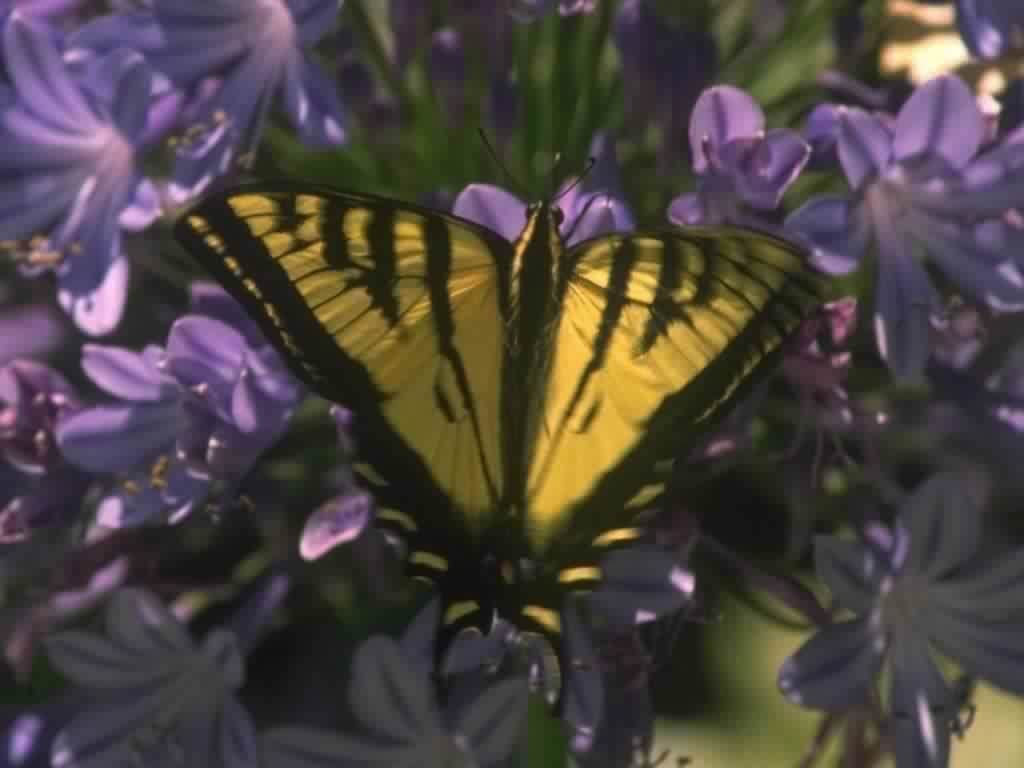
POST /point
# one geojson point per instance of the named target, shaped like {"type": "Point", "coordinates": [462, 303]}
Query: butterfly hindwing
{"type": "Point", "coordinates": [392, 310]}
{"type": "Point", "coordinates": [658, 331]}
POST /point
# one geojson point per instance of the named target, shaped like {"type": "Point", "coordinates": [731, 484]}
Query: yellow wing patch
{"type": "Point", "coordinates": [369, 275]}
{"type": "Point", "coordinates": [656, 332]}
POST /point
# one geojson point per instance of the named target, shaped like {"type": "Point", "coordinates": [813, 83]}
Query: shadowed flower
{"type": "Point", "coordinates": [160, 699]}
{"type": "Point", "coordinates": [990, 28]}
{"type": "Point", "coordinates": [70, 166]}
{"type": "Point", "coordinates": [742, 171]}
{"type": "Point", "coordinates": [40, 489]}
{"type": "Point", "coordinates": [202, 410]}
{"type": "Point", "coordinates": [917, 586]}
{"type": "Point", "coordinates": [402, 724]}
{"type": "Point", "coordinates": [664, 68]}
{"type": "Point", "coordinates": [918, 188]}
{"type": "Point", "coordinates": [253, 51]}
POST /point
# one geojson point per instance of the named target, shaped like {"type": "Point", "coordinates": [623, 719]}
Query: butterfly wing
{"type": "Point", "coordinates": [389, 309]}
{"type": "Point", "coordinates": [658, 334]}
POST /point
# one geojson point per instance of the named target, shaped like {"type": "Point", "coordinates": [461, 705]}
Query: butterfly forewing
{"type": "Point", "coordinates": [657, 333]}
{"type": "Point", "coordinates": [391, 310]}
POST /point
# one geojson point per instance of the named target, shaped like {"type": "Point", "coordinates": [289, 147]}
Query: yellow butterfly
{"type": "Point", "coordinates": [511, 398]}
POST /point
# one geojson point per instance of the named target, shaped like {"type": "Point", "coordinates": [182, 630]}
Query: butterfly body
{"type": "Point", "coordinates": [511, 398]}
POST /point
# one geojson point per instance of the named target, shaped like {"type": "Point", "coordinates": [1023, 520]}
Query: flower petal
{"type": "Point", "coordinates": [943, 517]}
{"type": "Point", "coordinates": [864, 146]}
{"type": "Point", "coordinates": [686, 210]}
{"type": "Point", "coordinates": [835, 668]}
{"type": "Point", "coordinates": [118, 438]}
{"type": "Point", "coordinates": [836, 232]}
{"type": "Point", "coordinates": [919, 703]}
{"type": "Point", "coordinates": [126, 374]}
{"type": "Point", "coordinates": [96, 308]}
{"type": "Point", "coordinates": [311, 101]}
{"type": "Point", "coordinates": [771, 166]}
{"type": "Point", "coordinates": [496, 721]}
{"type": "Point", "coordinates": [993, 650]}
{"type": "Point", "coordinates": [37, 70]}
{"type": "Point", "coordinates": [849, 570]}
{"type": "Point", "coordinates": [388, 697]}
{"type": "Point", "coordinates": [640, 584]}
{"type": "Point", "coordinates": [940, 118]}
{"type": "Point", "coordinates": [492, 207]}
{"type": "Point", "coordinates": [583, 708]}
{"type": "Point", "coordinates": [904, 302]}
{"type": "Point", "coordinates": [722, 113]}
{"type": "Point", "coordinates": [336, 521]}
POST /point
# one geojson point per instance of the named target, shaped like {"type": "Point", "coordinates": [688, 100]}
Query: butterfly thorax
{"type": "Point", "coordinates": [535, 291]}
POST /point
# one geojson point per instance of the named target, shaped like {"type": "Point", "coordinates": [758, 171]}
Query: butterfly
{"type": "Point", "coordinates": [512, 399]}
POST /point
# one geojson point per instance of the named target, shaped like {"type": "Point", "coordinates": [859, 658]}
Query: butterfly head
{"type": "Point", "coordinates": [543, 217]}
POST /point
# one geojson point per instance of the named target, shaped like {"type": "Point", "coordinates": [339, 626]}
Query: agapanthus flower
{"type": "Point", "coordinates": [590, 207]}
{"type": "Point", "coordinates": [40, 488]}
{"type": "Point", "coordinates": [401, 722]}
{"type": "Point", "coordinates": [990, 28]}
{"type": "Point", "coordinates": [664, 69]}
{"type": "Point", "coordinates": [251, 52]}
{"type": "Point", "coordinates": [159, 698]}
{"type": "Point", "coordinates": [914, 588]}
{"type": "Point", "coordinates": [919, 188]}
{"type": "Point", "coordinates": [742, 171]}
{"type": "Point", "coordinates": [197, 412]}
{"type": "Point", "coordinates": [70, 165]}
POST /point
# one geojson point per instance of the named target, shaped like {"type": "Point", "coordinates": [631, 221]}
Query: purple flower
{"type": "Point", "coordinates": [199, 411]}
{"type": "Point", "coordinates": [252, 51]}
{"type": "Point", "coordinates": [591, 207]}
{"type": "Point", "coordinates": [742, 171]}
{"type": "Point", "coordinates": [913, 588]}
{"type": "Point", "coordinates": [918, 186]}
{"type": "Point", "coordinates": [664, 68]}
{"type": "Point", "coordinates": [990, 27]}
{"type": "Point", "coordinates": [70, 164]}
{"type": "Point", "coordinates": [346, 515]}
{"type": "Point", "coordinates": [39, 487]}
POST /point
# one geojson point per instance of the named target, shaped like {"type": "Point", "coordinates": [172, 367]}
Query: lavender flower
{"type": "Point", "coordinates": [739, 167]}
{"type": "Point", "coordinates": [346, 515]}
{"type": "Point", "coordinates": [251, 52]}
{"type": "Point", "coordinates": [160, 698]}
{"type": "Point", "coordinates": [199, 411]}
{"type": "Point", "coordinates": [40, 488]}
{"type": "Point", "coordinates": [990, 27]}
{"type": "Point", "coordinates": [918, 186]}
{"type": "Point", "coordinates": [917, 586]}
{"type": "Point", "coordinates": [592, 207]}
{"type": "Point", "coordinates": [71, 168]}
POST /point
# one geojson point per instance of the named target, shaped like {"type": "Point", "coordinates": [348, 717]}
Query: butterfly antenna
{"type": "Point", "coordinates": [591, 162]}
{"type": "Point", "coordinates": [509, 178]}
